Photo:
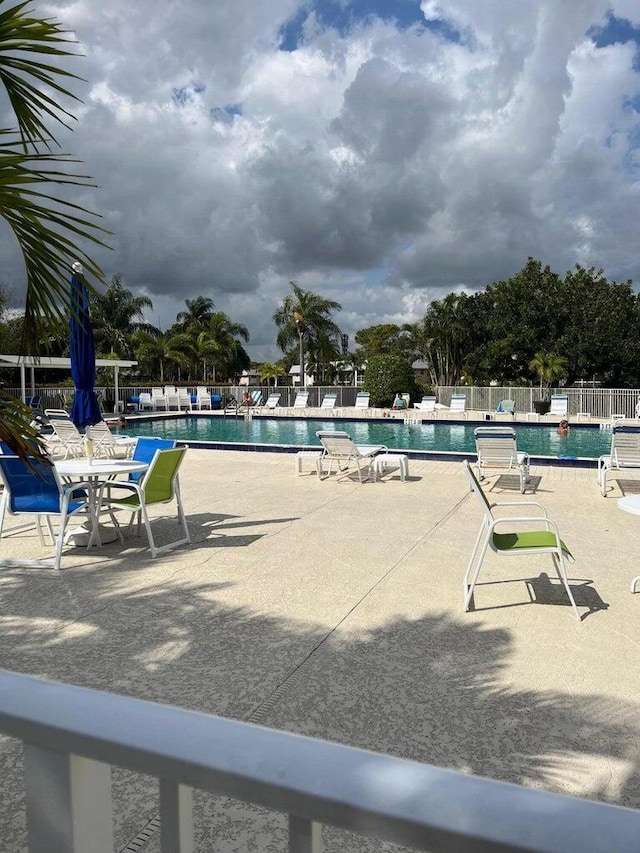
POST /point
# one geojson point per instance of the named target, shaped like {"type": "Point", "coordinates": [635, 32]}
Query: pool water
{"type": "Point", "coordinates": [539, 440]}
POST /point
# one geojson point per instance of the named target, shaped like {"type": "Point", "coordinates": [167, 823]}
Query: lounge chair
{"type": "Point", "coordinates": [105, 443]}
{"type": "Point", "coordinates": [159, 485]}
{"type": "Point", "coordinates": [145, 402]}
{"type": "Point", "coordinates": [427, 404]}
{"type": "Point", "coordinates": [329, 401]}
{"type": "Point", "coordinates": [458, 405]}
{"type": "Point", "coordinates": [497, 449]}
{"type": "Point", "coordinates": [339, 447]}
{"type": "Point", "coordinates": [158, 399]}
{"type": "Point", "coordinates": [362, 400]}
{"type": "Point", "coordinates": [67, 439]}
{"type": "Point", "coordinates": [506, 407]}
{"type": "Point", "coordinates": [36, 490]}
{"type": "Point", "coordinates": [513, 542]}
{"type": "Point", "coordinates": [255, 401]}
{"type": "Point", "coordinates": [273, 400]}
{"type": "Point", "coordinates": [184, 399]}
{"type": "Point", "coordinates": [559, 406]}
{"type": "Point", "coordinates": [172, 397]}
{"type": "Point", "coordinates": [302, 400]}
{"type": "Point", "coordinates": [624, 453]}
{"type": "Point", "coordinates": [203, 398]}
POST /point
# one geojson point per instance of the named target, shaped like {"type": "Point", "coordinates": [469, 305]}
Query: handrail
{"type": "Point", "coordinates": [315, 781]}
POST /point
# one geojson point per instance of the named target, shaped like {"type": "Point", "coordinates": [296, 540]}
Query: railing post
{"type": "Point", "coordinates": [305, 836]}
{"type": "Point", "coordinates": [176, 817]}
{"type": "Point", "coordinates": [68, 803]}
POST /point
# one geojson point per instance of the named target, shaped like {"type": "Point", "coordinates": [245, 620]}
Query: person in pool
{"type": "Point", "coordinates": [563, 428]}
{"type": "Point", "coordinates": [398, 403]}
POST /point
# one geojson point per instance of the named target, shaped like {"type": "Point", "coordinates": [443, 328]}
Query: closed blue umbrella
{"type": "Point", "coordinates": [85, 409]}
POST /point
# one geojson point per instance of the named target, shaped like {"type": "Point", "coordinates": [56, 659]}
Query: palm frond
{"type": "Point", "coordinates": [16, 430]}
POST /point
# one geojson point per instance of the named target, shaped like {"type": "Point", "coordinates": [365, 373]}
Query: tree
{"type": "Point", "coordinates": [269, 370]}
{"type": "Point", "coordinates": [385, 375]}
{"type": "Point", "coordinates": [114, 313]}
{"type": "Point", "coordinates": [441, 338]}
{"type": "Point", "coordinates": [384, 339]}
{"type": "Point", "coordinates": [219, 343]}
{"type": "Point", "coordinates": [549, 367]}
{"type": "Point", "coordinates": [155, 352]}
{"type": "Point", "coordinates": [304, 316]}
{"type": "Point", "coordinates": [46, 226]}
{"type": "Point", "coordinates": [199, 312]}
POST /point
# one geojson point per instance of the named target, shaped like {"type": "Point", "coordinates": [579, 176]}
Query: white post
{"type": "Point", "coordinates": [305, 836]}
{"type": "Point", "coordinates": [176, 817]}
{"type": "Point", "coordinates": [23, 383]}
{"type": "Point", "coordinates": [116, 407]}
{"type": "Point", "coordinates": [68, 800]}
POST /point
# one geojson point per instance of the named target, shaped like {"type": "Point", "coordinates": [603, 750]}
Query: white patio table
{"type": "Point", "coordinates": [631, 504]}
{"type": "Point", "coordinates": [95, 470]}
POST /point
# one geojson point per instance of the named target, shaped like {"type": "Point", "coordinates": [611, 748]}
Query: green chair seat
{"type": "Point", "coordinates": [529, 539]}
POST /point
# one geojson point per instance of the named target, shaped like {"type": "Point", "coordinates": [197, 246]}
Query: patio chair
{"type": "Point", "coordinates": [145, 402]}
{"type": "Point", "coordinates": [273, 400]}
{"type": "Point", "coordinates": [497, 449]}
{"type": "Point", "coordinates": [329, 401]}
{"type": "Point", "coordinates": [302, 400]}
{"type": "Point", "coordinates": [105, 443]}
{"type": "Point", "coordinates": [458, 405]}
{"type": "Point", "coordinates": [66, 439]}
{"type": "Point", "coordinates": [172, 398]}
{"type": "Point", "coordinates": [184, 399]}
{"type": "Point", "coordinates": [427, 404]}
{"type": "Point", "coordinates": [158, 399]}
{"type": "Point", "coordinates": [144, 451]}
{"type": "Point", "coordinates": [624, 453]}
{"type": "Point", "coordinates": [339, 447]}
{"type": "Point", "coordinates": [362, 400]}
{"type": "Point", "coordinates": [159, 485]}
{"type": "Point", "coordinates": [35, 490]}
{"type": "Point", "coordinates": [559, 406]}
{"type": "Point", "coordinates": [514, 542]}
{"type": "Point", "coordinates": [203, 398]}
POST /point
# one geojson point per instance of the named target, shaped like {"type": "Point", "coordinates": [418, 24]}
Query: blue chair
{"type": "Point", "coordinates": [145, 450]}
{"type": "Point", "coordinates": [36, 490]}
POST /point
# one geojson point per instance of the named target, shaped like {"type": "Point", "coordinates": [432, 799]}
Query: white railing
{"type": "Point", "coordinates": [598, 402]}
{"type": "Point", "coordinates": [72, 735]}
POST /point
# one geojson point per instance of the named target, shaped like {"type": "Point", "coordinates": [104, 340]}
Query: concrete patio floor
{"type": "Point", "coordinates": [334, 609]}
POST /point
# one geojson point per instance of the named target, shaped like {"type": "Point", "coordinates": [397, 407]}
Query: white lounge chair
{"type": "Point", "coordinates": [203, 398]}
{"type": "Point", "coordinates": [172, 397]}
{"type": "Point", "coordinates": [302, 400]}
{"type": "Point", "coordinates": [497, 449]}
{"type": "Point", "coordinates": [158, 399]}
{"type": "Point", "coordinates": [339, 447]}
{"type": "Point", "coordinates": [67, 439]}
{"type": "Point", "coordinates": [559, 406]}
{"type": "Point", "coordinates": [105, 443]}
{"type": "Point", "coordinates": [458, 405]}
{"type": "Point", "coordinates": [427, 404]}
{"type": "Point", "coordinates": [329, 401]}
{"type": "Point", "coordinates": [273, 400]}
{"type": "Point", "coordinates": [145, 402]}
{"type": "Point", "coordinates": [184, 399]}
{"type": "Point", "coordinates": [362, 400]}
{"type": "Point", "coordinates": [624, 453]}
{"type": "Point", "coordinates": [513, 541]}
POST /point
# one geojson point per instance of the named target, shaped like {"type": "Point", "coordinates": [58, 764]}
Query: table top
{"type": "Point", "coordinates": [630, 504]}
{"type": "Point", "coordinates": [97, 467]}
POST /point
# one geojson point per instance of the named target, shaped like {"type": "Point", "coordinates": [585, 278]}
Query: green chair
{"type": "Point", "coordinates": [158, 486]}
{"type": "Point", "coordinates": [514, 543]}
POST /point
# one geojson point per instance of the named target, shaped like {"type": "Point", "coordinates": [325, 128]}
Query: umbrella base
{"type": "Point", "coordinates": [79, 536]}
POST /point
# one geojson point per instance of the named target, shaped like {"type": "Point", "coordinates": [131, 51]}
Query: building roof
{"type": "Point", "coordinates": [58, 361]}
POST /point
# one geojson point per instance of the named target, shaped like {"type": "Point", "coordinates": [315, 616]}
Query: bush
{"type": "Point", "coordinates": [385, 375]}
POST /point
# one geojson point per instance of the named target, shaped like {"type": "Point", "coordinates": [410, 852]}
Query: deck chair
{"type": "Point", "coordinates": [506, 407]}
{"type": "Point", "coordinates": [302, 400]}
{"type": "Point", "coordinates": [329, 401]}
{"type": "Point", "coordinates": [559, 406]}
{"type": "Point", "coordinates": [496, 448]}
{"type": "Point", "coordinates": [203, 398]}
{"type": "Point", "coordinates": [184, 399]}
{"type": "Point", "coordinates": [105, 443]}
{"type": "Point", "coordinates": [172, 397]}
{"type": "Point", "coordinates": [38, 492]}
{"type": "Point", "coordinates": [66, 439]}
{"type": "Point", "coordinates": [339, 447]}
{"type": "Point", "coordinates": [159, 485]}
{"type": "Point", "coordinates": [624, 453]}
{"type": "Point", "coordinates": [145, 402]}
{"type": "Point", "coordinates": [514, 542]}
{"type": "Point", "coordinates": [427, 404]}
{"type": "Point", "coordinates": [144, 451]}
{"type": "Point", "coordinates": [458, 405]}
{"type": "Point", "coordinates": [158, 399]}
{"type": "Point", "coordinates": [362, 400]}
{"type": "Point", "coordinates": [273, 400]}
{"type": "Point", "coordinates": [256, 396]}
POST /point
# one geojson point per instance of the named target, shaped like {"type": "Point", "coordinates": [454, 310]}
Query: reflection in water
{"type": "Point", "coordinates": [583, 441]}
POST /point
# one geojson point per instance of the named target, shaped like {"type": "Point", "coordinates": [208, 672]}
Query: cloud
{"type": "Point", "coordinates": [379, 162]}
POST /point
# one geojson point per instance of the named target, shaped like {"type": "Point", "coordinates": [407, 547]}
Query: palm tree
{"type": "Point", "coordinates": [269, 370]}
{"type": "Point", "coordinates": [199, 312]}
{"type": "Point", "coordinates": [46, 226]}
{"type": "Point", "coordinates": [549, 367]}
{"type": "Point", "coordinates": [305, 315]}
{"type": "Point", "coordinates": [218, 343]}
{"type": "Point", "coordinates": [154, 352]}
{"type": "Point", "coordinates": [113, 315]}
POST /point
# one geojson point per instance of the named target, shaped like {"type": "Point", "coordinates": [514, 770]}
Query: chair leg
{"type": "Point", "coordinates": [475, 556]}
{"type": "Point", "coordinates": [561, 571]}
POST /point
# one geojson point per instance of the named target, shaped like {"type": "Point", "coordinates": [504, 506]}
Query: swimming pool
{"type": "Point", "coordinates": [537, 440]}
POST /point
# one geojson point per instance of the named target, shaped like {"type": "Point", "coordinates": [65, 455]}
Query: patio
{"type": "Point", "coordinates": [334, 610]}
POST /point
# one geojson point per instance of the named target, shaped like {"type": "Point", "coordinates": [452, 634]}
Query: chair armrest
{"type": "Point", "coordinates": [83, 486]}
{"type": "Point", "coordinates": [109, 485]}
{"type": "Point", "coordinates": [500, 504]}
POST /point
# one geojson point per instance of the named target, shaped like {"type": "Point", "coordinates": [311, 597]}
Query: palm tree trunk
{"type": "Point", "coordinates": [302, 376]}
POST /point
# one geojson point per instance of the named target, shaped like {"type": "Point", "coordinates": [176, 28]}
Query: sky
{"type": "Point", "coordinates": [381, 153]}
